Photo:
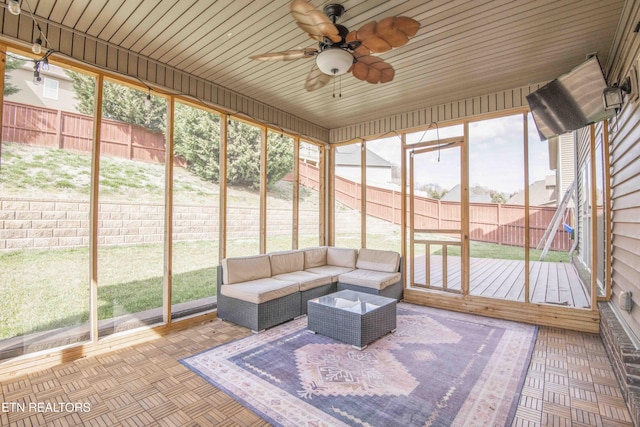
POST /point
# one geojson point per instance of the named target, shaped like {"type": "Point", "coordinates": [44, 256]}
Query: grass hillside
{"type": "Point", "coordinates": [33, 171]}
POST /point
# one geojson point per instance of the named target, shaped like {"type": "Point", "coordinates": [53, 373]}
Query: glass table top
{"type": "Point", "coordinates": [356, 302]}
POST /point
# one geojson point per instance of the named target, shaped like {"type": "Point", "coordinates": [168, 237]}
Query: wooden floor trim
{"type": "Point", "coordinates": [582, 320]}
{"type": "Point", "coordinates": [47, 358]}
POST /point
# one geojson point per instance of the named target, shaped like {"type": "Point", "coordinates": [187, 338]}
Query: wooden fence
{"type": "Point", "coordinates": [28, 124]}
{"type": "Point", "coordinates": [489, 222]}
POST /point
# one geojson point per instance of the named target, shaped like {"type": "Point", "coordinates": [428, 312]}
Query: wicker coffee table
{"type": "Point", "coordinates": [352, 317]}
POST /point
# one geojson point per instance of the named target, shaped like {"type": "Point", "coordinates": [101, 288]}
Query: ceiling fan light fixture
{"type": "Point", "coordinates": [334, 61]}
{"type": "Point", "coordinates": [13, 6]}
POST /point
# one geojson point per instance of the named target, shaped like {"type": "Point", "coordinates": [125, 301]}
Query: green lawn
{"type": "Point", "coordinates": [43, 290]}
{"type": "Point", "coordinates": [496, 251]}
{"type": "Point", "coordinates": [48, 289]}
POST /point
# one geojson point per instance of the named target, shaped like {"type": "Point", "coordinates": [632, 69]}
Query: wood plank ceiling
{"type": "Point", "coordinates": [464, 48]}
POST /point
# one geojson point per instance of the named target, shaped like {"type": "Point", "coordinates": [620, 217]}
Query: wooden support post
{"type": "Point", "coordinates": [363, 194]}
{"type": "Point", "coordinates": [527, 237]}
{"type": "Point", "coordinates": [403, 207]}
{"type": "Point", "coordinates": [222, 182]}
{"type": "Point", "coordinates": [412, 224]}
{"type": "Point", "coordinates": [464, 213]}
{"type": "Point", "coordinates": [323, 194]}
{"type": "Point", "coordinates": [594, 219]}
{"type": "Point", "coordinates": [263, 190]}
{"type": "Point", "coordinates": [168, 215]}
{"type": "Point", "coordinates": [331, 211]}
{"type": "Point", "coordinates": [3, 64]}
{"type": "Point", "coordinates": [94, 211]}
{"type": "Point", "coordinates": [606, 151]}
{"type": "Point", "coordinates": [295, 221]}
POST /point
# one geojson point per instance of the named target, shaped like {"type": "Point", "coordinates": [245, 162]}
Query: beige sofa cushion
{"type": "Point", "coordinates": [260, 290]}
{"type": "Point", "coordinates": [315, 257]}
{"type": "Point", "coordinates": [342, 257]}
{"type": "Point", "coordinates": [330, 270]}
{"type": "Point", "coordinates": [242, 269]}
{"type": "Point", "coordinates": [375, 259]}
{"type": "Point", "coordinates": [370, 278]}
{"type": "Point", "coordinates": [305, 279]}
{"type": "Point", "coordinates": [286, 262]}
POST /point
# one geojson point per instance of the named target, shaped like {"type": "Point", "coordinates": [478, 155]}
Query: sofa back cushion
{"type": "Point", "coordinates": [315, 257]}
{"type": "Point", "coordinates": [286, 262]}
{"type": "Point", "coordinates": [375, 259]}
{"type": "Point", "coordinates": [342, 257]}
{"type": "Point", "coordinates": [243, 269]}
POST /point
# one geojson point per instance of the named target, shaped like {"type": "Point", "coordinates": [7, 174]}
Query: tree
{"type": "Point", "coordinates": [279, 157]}
{"type": "Point", "coordinates": [196, 133]}
{"type": "Point", "coordinates": [10, 65]}
{"type": "Point", "coordinates": [434, 191]}
{"type": "Point", "coordinates": [196, 139]}
{"type": "Point", "coordinates": [121, 103]}
{"type": "Point", "coordinates": [497, 197]}
{"type": "Point", "coordinates": [243, 155]}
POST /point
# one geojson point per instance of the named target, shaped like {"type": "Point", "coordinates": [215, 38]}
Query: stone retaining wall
{"type": "Point", "coordinates": [42, 223]}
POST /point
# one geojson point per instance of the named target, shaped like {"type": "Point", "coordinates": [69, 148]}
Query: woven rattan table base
{"type": "Point", "coordinates": [356, 328]}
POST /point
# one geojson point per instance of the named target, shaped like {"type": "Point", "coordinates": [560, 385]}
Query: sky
{"type": "Point", "coordinates": [496, 155]}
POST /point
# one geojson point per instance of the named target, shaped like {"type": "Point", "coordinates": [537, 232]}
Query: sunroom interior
{"type": "Point", "coordinates": [141, 145]}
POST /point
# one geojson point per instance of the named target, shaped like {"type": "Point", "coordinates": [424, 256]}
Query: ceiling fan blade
{"type": "Point", "coordinates": [287, 55]}
{"type": "Point", "coordinates": [314, 22]}
{"type": "Point", "coordinates": [372, 70]}
{"type": "Point", "coordinates": [316, 79]}
{"type": "Point", "coordinates": [390, 32]}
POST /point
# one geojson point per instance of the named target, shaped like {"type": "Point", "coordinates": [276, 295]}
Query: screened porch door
{"type": "Point", "coordinates": [435, 220]}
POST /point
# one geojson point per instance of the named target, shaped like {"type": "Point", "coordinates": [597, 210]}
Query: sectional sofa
{"type": "Point", "coordinates": [262, 291]}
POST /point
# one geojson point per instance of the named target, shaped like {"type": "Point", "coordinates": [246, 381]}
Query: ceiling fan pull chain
{"type": "Point", "coordinates": [340, 87]}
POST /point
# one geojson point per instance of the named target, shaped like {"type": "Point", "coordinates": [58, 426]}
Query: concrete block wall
{"type": "Point", "coordinates": [40, 224]}
{"type": "Point", "coordinates": [35, 224]}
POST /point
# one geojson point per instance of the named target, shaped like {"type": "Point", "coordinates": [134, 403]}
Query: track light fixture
{"type": "Point", "coordinates": [13, 6]}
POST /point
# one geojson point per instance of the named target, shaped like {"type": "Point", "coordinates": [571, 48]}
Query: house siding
{"type": "Point", "coordinates": [624, 160]}
{"type": "Point", "coordinates": [566, 164]}
{"type": "Point", "coordinates": [457, 110]}
{"type": "Point", "coordinates": [621, 330]}
{"type": "Point", "coordinates": [582, 153]}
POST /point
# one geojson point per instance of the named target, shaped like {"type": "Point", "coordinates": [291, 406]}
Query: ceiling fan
{"type": "Point", "coordinates": [340, 50]}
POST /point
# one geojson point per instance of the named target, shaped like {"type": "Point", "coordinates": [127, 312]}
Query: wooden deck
{"type": "Point", "coordinates": [550, 282]}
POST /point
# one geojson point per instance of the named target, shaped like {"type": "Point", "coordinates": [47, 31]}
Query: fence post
{"type": "Point", "coordinates": [130, 142]}
{"type": "Point", "coordinates": [499, 221]}
{"type": "Point", "coordinates": [59, 132]}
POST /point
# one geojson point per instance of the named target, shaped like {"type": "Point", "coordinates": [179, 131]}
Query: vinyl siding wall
{"type": "Point", "coordinates": [621, 330]}
{"type": "Point", "coordinates": [625, 174]}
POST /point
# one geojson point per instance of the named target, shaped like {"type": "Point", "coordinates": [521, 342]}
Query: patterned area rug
{"type": "Point", "coordinates": [439, 368]}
